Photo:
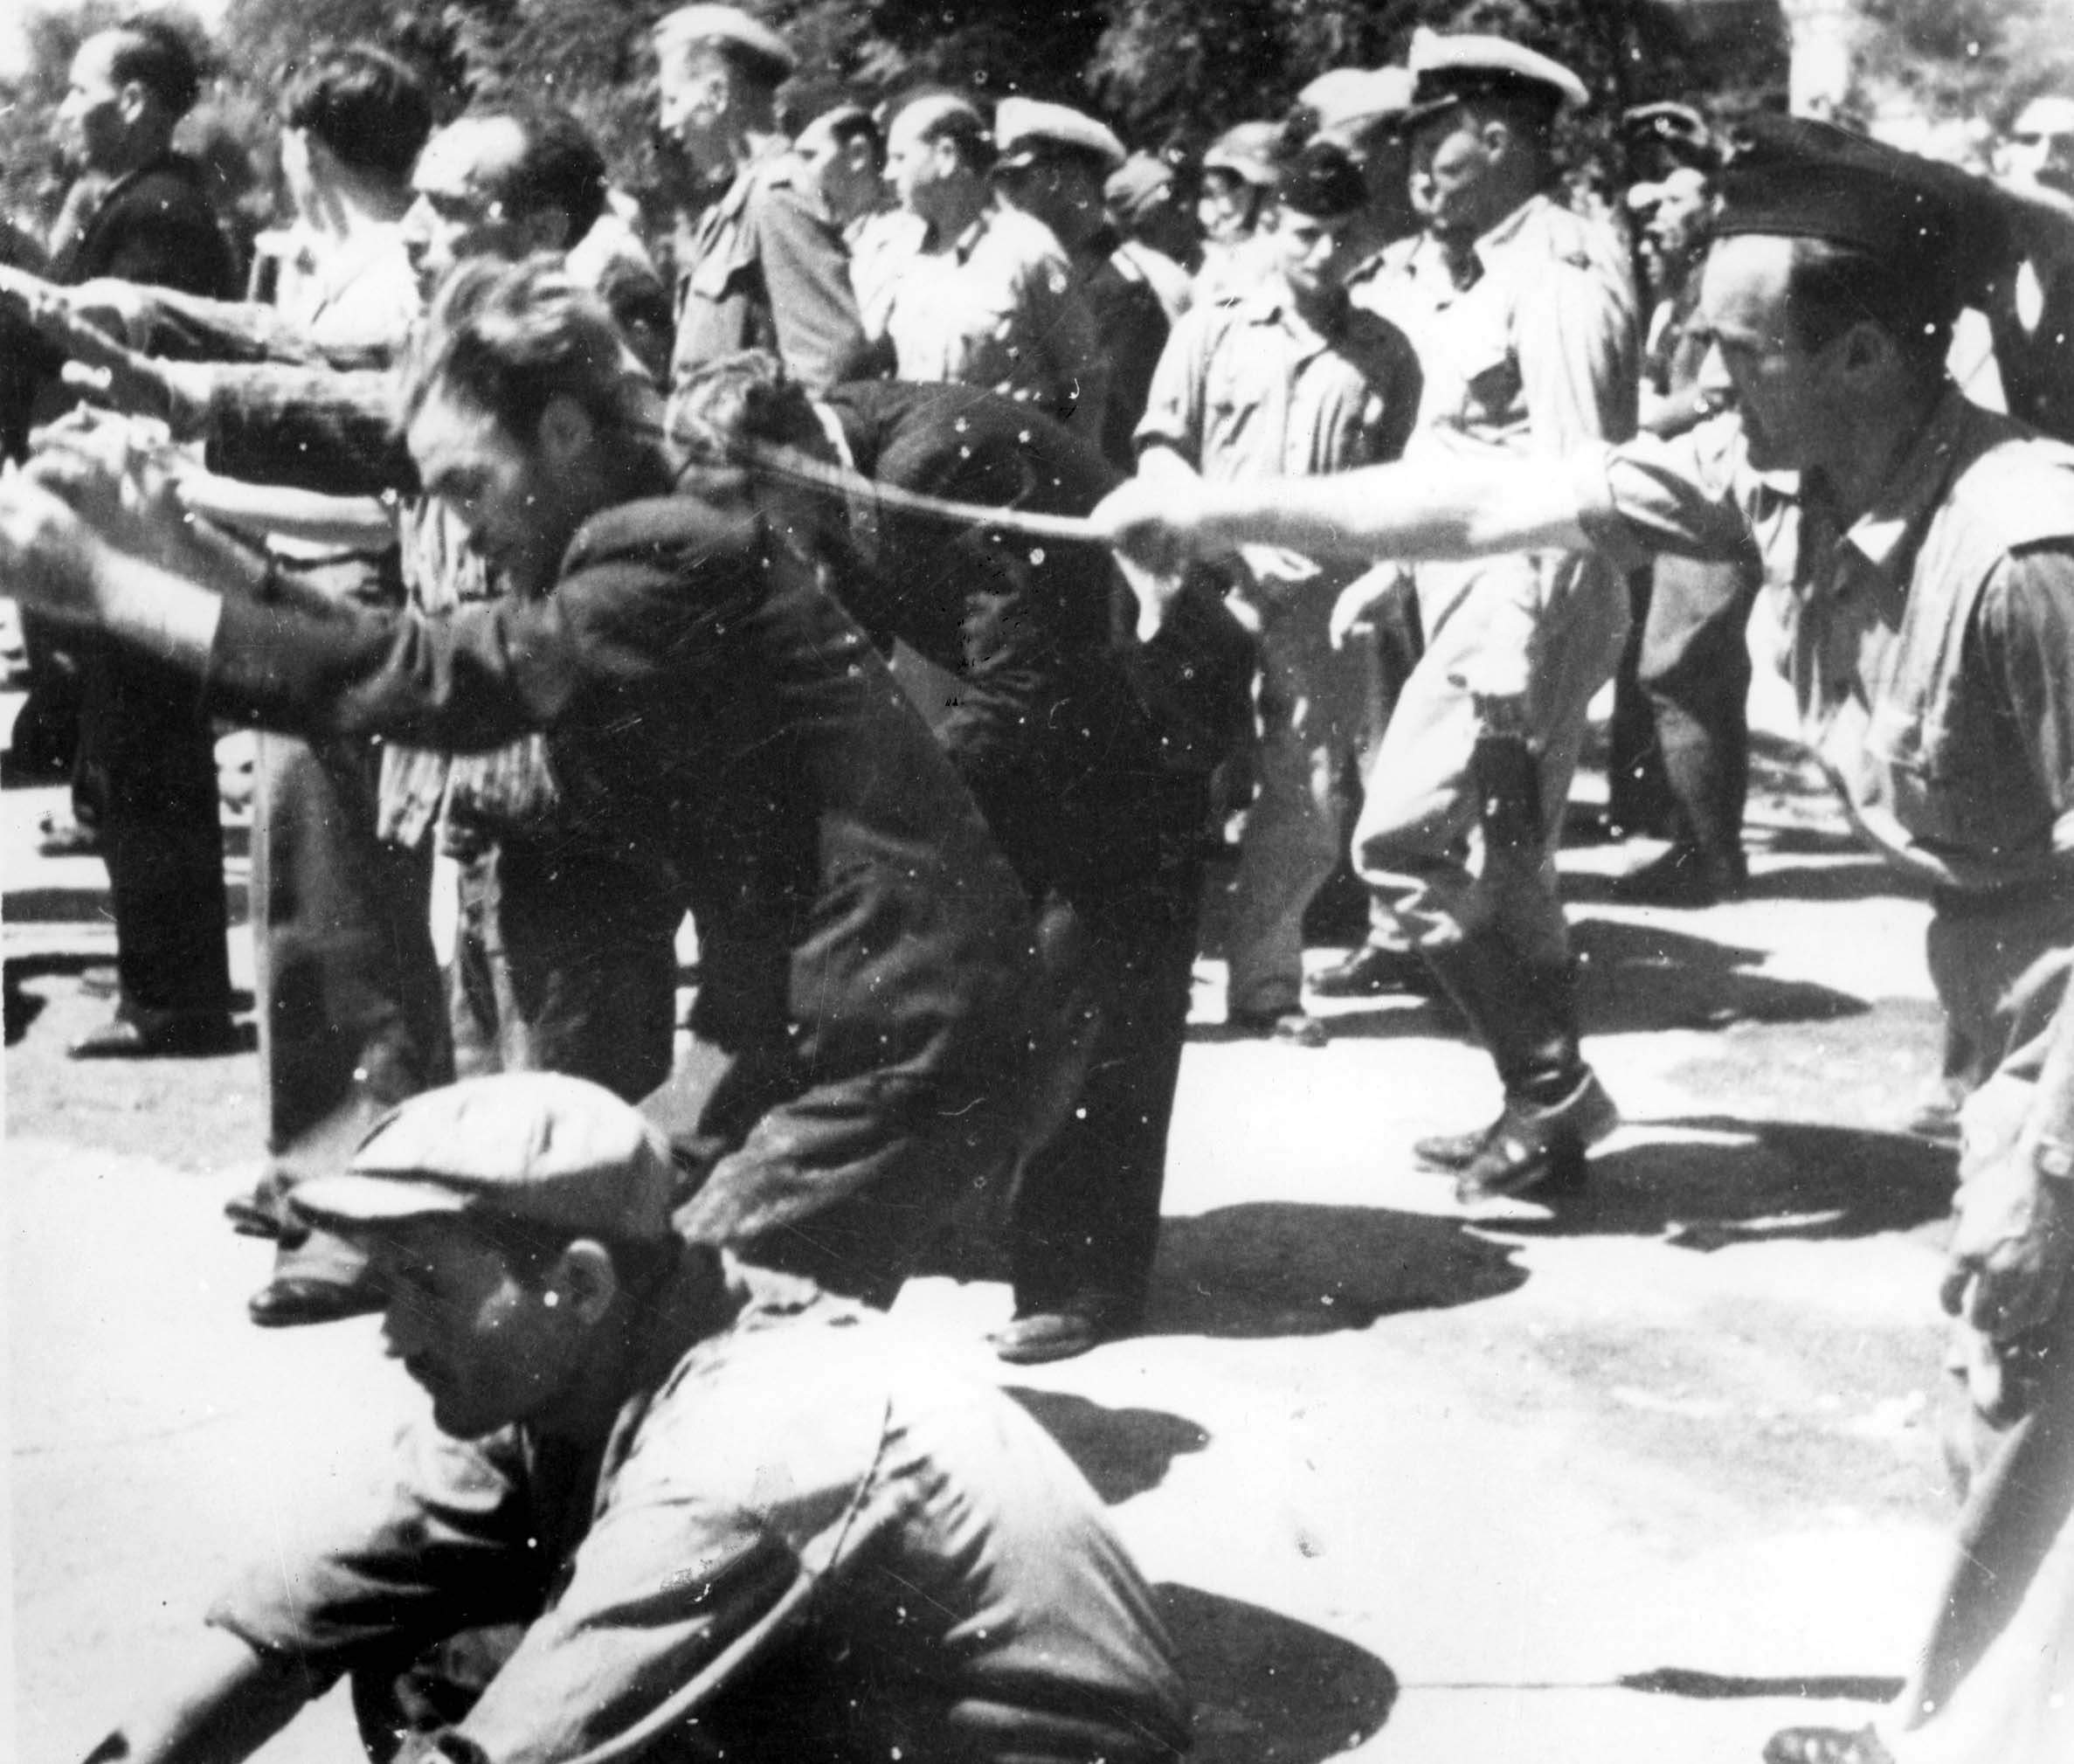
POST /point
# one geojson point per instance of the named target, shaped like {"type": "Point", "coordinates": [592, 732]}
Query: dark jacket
{"type": "Point", "coordinates": [706, 702]}
{"type": "Point", "coordinates": [1085, 747]}
{"type": "Point", "coordinates": [154, 225]}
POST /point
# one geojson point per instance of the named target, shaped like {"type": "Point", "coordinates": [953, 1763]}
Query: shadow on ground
{"type": "Point", "coordinates": [1268, 1689]}
{"type": "Point", "coordinates": [1122, 1452]}
{"type": "Point", "coordinates": [1708, 1181]}
{"type": "Point", "coordinates": [1277, 1267]}
{"type": "Point", "coordinates": [1649, 976]}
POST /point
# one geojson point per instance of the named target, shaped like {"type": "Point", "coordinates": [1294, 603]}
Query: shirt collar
{"type": "Point", "coordinates": [1505, 235]}
{"type": "Point", "coordinates": [1891, 528]}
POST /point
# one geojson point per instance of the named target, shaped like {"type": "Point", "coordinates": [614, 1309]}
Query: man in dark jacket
{"type": "Point", "coordinates": [145, 769]}
{"type": "Point", "coordinates": [1089, 753]}
{"type": "Point", "coordinates": [861, 1053]}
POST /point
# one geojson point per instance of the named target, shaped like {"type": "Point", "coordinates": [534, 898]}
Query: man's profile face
{"type": "Point", "coordinates": [915, 165]}
{"type": "Point", "coordinates": [691, 89]}
{"type": "Point", "coordinates": [91, 128]}
{"type": "Point", "coordinates": [1676, 225]}
{"type": "Point", "coordinates": [455, 213]}
{"type": "Point", "coordinates": [1784, 391]}
{"type": "Point", "coordinates": [1307, 250]}
{"type": "Point", "coordinates": [846, 172]}
{"type": "Point", "coordinates": [1453, 174]}
{"type": "Point", "coordinates": [2041, 144]}
{"type": "Point", "coordinates": [489, 1349]}
{"type": "Point", "coordinates": [520, 511]}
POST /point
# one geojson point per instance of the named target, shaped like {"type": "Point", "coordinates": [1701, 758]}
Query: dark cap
{"type": "Point", "coordinates": [530, 1145]}
{"type": "Point", "coordinates": [1323, 181]}
{"type": "Point", "coordinates": [1676, 131]}
{"type": "Point", "coordinates": [1797, 178]}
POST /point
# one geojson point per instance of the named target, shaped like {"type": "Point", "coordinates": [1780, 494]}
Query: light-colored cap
{"type": "Point", "coordinates": [728, 28]}
{"type": "Point", "coordinates": [530, 1145]}
{"type": "Point", "coordinates": [1447, 67]}
{"type": "Point", "coordinates": [1024, 128]}
{"type": "Point", "coordinates": [1252, 151]}
{"type": "Point", "coordinates": [1350, 101]}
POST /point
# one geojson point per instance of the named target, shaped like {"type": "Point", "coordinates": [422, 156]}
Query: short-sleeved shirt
{"type": "Point", "coordinates": [766, 269]}
{"type": "Point", "coordinates": [996, 308]}
{"type": "Point", "coordinates": [803, 1540]}
{"type": "Point", "coordinates": [1251, 389]}
{"type": "Point", "coordinates": [1931, 639]}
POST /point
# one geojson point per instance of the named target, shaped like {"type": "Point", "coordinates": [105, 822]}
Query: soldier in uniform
{"type": "Point", "coordinates": [1523, 317]}
{"type": "Point", "coordinates": [1051, 166]}
{"type": "Point", "coordinates": [765, 266]}
{"type": "Point", "coordinates": [1932, 652]}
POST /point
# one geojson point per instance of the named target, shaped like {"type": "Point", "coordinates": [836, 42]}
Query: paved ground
{"type": "Point", "coordinates": [1639, 1483]}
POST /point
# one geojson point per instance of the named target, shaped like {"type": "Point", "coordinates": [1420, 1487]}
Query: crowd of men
{"type": "Point", "coordinates": [905, 584]}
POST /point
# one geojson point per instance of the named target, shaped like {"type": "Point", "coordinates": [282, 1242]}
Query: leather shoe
{"type": "Point", "coordinates": [1826, 1745]}
{"type": "Point", "coordinates": [1683, 878]}
{"type": "Point", "coordinates": [1296, 1027]}
{"type": "Point", "coordinates": [1373, 973]}
{"type": "Point", "coordinates": [1536, 1148]}
{"type": "Point", "coordinates": [1036, 1338]}
{"type": "Point", "coordinates": [291, 1301]}
{"type": "Point", "coordinates": [1452, 1151]}
{"type": "Point", "coordinates": [158, 1035]}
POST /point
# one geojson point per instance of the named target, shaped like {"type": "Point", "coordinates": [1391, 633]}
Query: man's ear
{"type": "Point", "coordinates": [131, 101]}
{"type": "Point", "coordinates": [1866, 349]}
{"type": "Point", "coordinates": [565, 430]}
{"type": "Point", "coordinates": [582, 1280]}
{"type": "Point", "coordinates": [1497, 136]}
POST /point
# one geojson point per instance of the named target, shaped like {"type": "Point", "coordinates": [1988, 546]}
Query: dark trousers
{"type": "Point", "coordinates": [564, 961]}
{"type": "Point", "coordinates": [1695, 667]}
{"type": "Point", "coordinates": [1084, 1221]}
{"type": "Point", "coordinates": [1638, 798]}
{"type": "Point", "coordinates": [147, 763]}
{"type": "Point", "coordinates": [352, 1020]}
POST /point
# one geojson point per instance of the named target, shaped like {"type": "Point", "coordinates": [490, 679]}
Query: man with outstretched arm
{"type": "Point", "coordinates": [860, 1055]}
{"type": "Point", "coordinates": [1932, 656]}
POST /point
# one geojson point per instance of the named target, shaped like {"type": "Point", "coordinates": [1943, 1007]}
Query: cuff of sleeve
{"type": "Point", "coordinates": [1589, 468]}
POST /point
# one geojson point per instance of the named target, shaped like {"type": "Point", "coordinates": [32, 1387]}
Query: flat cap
{"type": "Point", "coordinates": [731, 29]}
{"type": "Point", "coordinates": [1138, 186]}
{"type": "Point", "coordinates": [1024, 130]}
{"type": "Point", "coordinates": [1446, 68]}
{"type": "Point", "coordinates": [530, 1145]}
{"type": "Point", "coordinates": [1249, 150]}
{"type": "Point", "coordinates": [1350, 101]}
{"type": "Point", "coordinates": [1929, 222]}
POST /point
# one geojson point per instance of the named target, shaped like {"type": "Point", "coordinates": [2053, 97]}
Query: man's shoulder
{"type": "Point", "coordinates": [681, 537]}
{"type": "Point", "coordinates": [170, 191]}
{"type": "Point", "coordinates": [1552, 237]}
{"type": "Point", "coordinates": [782, 184]}
{"type": "Point", "coordinates": [2018, 484]}
{"type": "Point", "coordinates": [1023, 238]}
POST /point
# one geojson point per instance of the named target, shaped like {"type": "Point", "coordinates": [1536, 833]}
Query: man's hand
{"type": "Point", "coordinates": [49, 557]}
{"type": "Point", "coordinates": [1357, 601]}
{"type": "Point", "coordinates": [113, 471]}
{"type": "Point", "coordinates": [1156, 526]}
{"type": "Point", "coordinates": [2013, 1245]}
{"type": "Point", "coordinates": [112, 373]}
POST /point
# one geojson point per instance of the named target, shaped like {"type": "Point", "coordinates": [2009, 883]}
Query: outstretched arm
{"type": "Point", "coordinates": [225, 1701]}
{"type": "Point", "coordinates": [1457, 509]}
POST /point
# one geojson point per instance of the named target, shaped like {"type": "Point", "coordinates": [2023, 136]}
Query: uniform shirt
{"type": "Point", "coordinates": [996, 308]}
{"type": "Point", "coordinates": [879, 244]}
{"type": "Point", "coordinates": [1131, 324]}
{"type": "Point", "coordinates": [1931, 641]}
{"type": "Point", "coordinates": [1251, 389]}
{"type": "Point", "coordinates": [802, 1540]}
{"type": "Point", "coordinates": [1539, 352]}
{"type": "Point", "coordinates": [766, 269]}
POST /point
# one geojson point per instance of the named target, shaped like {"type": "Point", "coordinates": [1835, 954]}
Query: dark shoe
{"type": "Point", "coordinates": [1540, 1149]}
{"type": "Point", "coordinates": [289, 1303]}
{"type": "Point", "coordinates": [1826, 1745]}
{"type": "Point", "coordinates": [1296, 1027]}
{"type": "Point", "coordinates": [63, 836]}
{"type": "Point", "coordinates": [1039, 1337]}
{"type": "Point", "coordinates": [1454, 1150]}
{"type": "Point", "coordinates": [1681, 878]}
{"type": "Point", "coordinates": [1373, 973]}
{"type": "Point", "coordinates": [159, 1035]}
{"type": "Point", "coordinates": [251, 1218]}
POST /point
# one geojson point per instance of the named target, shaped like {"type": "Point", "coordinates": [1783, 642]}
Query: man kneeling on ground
{"type": "Point", "coordinates": [735, 1517]}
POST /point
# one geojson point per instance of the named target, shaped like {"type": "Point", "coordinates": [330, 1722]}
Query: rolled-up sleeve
{"type": "Point", "coordinates": [1649, 496]}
